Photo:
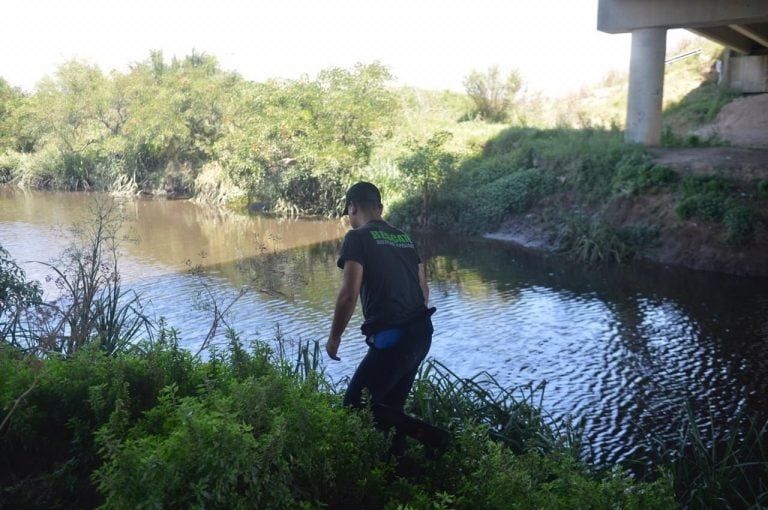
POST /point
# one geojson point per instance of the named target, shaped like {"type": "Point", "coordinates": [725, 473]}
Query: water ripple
{"type": "Point", "coordinates": [623, 351]}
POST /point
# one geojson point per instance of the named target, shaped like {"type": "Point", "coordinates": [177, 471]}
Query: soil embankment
{"type": "Point", "coordinates": [691, 243]}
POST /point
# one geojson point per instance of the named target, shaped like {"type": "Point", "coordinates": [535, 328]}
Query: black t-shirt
{"type": "Point", "coordinates": [390, 293]}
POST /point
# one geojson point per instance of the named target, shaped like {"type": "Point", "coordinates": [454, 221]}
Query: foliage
{"type": "Point", "coordinates": [512, 416]}
{"type": "Point", "coordinates": [636, 173]}
{"type": "Point", "coordinates": [492, 94]}
{"type": "Point", "coordinates": [670, 139]}
{"type": "Point", "coordinates": [701, 105]}
{"type": "Point", "coordinates": [710, 470]}
{"type": "Point", "coordinates": [486, 206]}
{"type": "Point", "coordinates": [762, 189]}
{"type": "Point", "coordinates": [713, 198]}
{"type": "Point", "coordinates": [17, 296]}
{"type": "Point", "coordinates": [10, 100]}
{"type": "Point", "coordinates": [521, 166]}
{"type": "Point", "coordinates": [425, 169]}
{"type": "Point", "coordinates": [294, 144]}
{"type": "Point", "coordinates": [591, 242]}
{"type": "Point", "coordinates": [299, 144]}
{"type": "Point", "coordinates": [739, 222]}
{"type": "Point", "coordinates": [92, 306]}
{"type": "Point", "coordinates": [157, 427]}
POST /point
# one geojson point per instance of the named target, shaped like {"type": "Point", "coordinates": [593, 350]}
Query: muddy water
{"type": "Point", "coordinates": [622, 348]}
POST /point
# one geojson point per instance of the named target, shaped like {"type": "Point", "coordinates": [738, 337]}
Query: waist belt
{"type": "Point", "coordinates": [385, 338]}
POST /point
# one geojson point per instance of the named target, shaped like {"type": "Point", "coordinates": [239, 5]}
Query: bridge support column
{"type": "Point", "coordinates": [646, 86]}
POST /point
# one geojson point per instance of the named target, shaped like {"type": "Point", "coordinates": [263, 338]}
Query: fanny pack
{"type": "Point", "coordinates": [386, 338]}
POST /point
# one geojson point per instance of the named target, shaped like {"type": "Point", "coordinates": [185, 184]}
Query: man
{"type": "Point", "coordinates": [380, 263]}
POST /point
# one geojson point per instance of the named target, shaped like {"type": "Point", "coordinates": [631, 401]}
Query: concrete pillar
{"type": "Point", "coordinates": [646, 86]}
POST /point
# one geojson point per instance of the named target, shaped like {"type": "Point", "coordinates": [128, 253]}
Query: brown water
{"type": "Point", "coordinates": [623, 348]}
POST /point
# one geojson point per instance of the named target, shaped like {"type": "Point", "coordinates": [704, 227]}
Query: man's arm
{"type": "Point", "coordinates": [423, 284]}
{"type": "Point", "coordinates": [345, 305]}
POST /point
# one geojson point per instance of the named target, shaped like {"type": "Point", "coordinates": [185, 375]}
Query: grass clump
{"type": "Point", "coordinates": [636, 173]}
{"type": "Point", "coordinates": [591, 241]}
{"type": "Point", "coordinates": [713, 198]}
{"type": "Point", "coordinates": [712, 469]}
{"type": "Point", "coordinates": [702, 104]}
{"type": "Point", "coordinates": [739, 222]}
{"type": "Point", "coordinates": [762, 189]}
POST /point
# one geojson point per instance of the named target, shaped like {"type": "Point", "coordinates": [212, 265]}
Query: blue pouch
{"type": "Point", "coordinates": [387, 338]}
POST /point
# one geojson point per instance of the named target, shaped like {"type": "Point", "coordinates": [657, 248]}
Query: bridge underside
{"type": "Point", "coordinates": [740, 25]}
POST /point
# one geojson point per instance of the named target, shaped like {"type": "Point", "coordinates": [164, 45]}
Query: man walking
{"type": "Point", "coordinates": [380, 264]}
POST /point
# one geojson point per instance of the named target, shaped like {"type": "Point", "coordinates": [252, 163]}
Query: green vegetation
{"type": "Point", "coordinates": [524, 167]}
{"type": "Point", "coordinates": [712, 469]}
{"type": "Point", "coordinates": [699, 107]}
{"type": "Point", "coordinates": [157, 427]}
{"type": "Point", "coordinates": [712, 198]}
{"type": "Point", "coordinates": [762, 189]}
{"type": "Point", "coordinates": [145, 423]}
{"type": "Point", "coordinates": [187, 127]}
{"type": "Point", "coordinates": [493, 95]}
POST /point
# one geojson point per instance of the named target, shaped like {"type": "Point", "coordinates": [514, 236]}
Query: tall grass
{"type": "Point", "coordinates": [514, 416]}
{"type": "Point", "coordinates": [714, 468]}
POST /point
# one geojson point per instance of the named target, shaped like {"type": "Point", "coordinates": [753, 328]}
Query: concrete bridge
{"type": "Point", "coordinates": [739, 25]}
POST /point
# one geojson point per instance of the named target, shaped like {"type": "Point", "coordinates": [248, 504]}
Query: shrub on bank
{"type": "Point", "coordinates": [521, 166]}
{"type": "Point", "coordinates": [151, 425]}
{"type": "Point", "coordinates": [584, 171]}
{"type": "Point", "coordinates": [713, 198]}
{"type": "Point", "coordinates": [157, 427]}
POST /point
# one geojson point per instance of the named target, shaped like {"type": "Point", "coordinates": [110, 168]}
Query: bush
{"type": "Point", "coordinates": [158, 428]}
{"type": "Point", "coordinates": [762, 189]}
{"type": "Point", "coordinates": [710, 207]}
{"type": "Point", "coordinates": [514, 193]}
{"type": "Point", "coordinates": [636, 173]}
{"type": "Point", "coordinates": [492, 95]}
{"type": "Point", "coordinates": [17, 296]}
{"type": "Point", "coordinates": [591, 241]}
{"type": "Point", "coordinates": [739, 222]}
{"type": "Point", "coordinates": [712, 198]}
{"type": "Point", "coordinates": [521, 166]}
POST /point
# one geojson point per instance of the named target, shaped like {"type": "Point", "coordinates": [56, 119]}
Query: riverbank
{"type": "Point", "coordinates": [138, 420]}
{"type": "Point", "coordinates": [154, 426]}
{"type": "Point", "coordinates": [694, 242]}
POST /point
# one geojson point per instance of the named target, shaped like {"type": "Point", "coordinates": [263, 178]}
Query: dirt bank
{"type": "Point", "coordinates": [743, 122]}
{"type": "Point", "coordinates": [690, 243]}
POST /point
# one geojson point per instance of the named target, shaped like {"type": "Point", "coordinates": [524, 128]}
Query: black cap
{"type": "Point", "coordinates": [362, 192]}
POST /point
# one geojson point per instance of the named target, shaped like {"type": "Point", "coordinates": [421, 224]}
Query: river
{"type": "Point", "coordinates": [623, 348]}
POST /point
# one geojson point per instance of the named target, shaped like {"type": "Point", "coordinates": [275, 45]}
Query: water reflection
{"type": "Point", "coordinates": [622, 347]}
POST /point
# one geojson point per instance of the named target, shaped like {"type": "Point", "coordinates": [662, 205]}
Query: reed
{"type": "Point", "coordinates": [712, 468]}
{"type": "Point", "coordinates": [514, 415]}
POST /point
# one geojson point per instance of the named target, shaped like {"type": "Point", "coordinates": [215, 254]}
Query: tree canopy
{"type": "Point", "coordinates": [293, 143]}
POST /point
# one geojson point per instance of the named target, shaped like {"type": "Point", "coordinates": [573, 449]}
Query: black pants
{"type": "Point", "coordinates": [388, 374]}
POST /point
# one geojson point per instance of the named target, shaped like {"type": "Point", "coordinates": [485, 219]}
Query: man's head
{"type": "Point", "coordinates": [363, 203]}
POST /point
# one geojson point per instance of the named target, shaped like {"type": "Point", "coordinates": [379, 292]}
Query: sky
{"type": "Point", "coordinates": [430, 44]}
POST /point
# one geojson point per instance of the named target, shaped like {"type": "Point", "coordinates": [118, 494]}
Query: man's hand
{"type": "Point", "coordinates": [332, 347]}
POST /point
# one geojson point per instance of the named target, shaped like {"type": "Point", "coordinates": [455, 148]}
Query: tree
{"type": "Point", "coordinates": [297, 143]}
{"type": "Point", "coordinates": [10, 99]}
{"type": "Point", "coordinates": [493, 95]}
{"type": "Point", "coordinates": [426, 167]}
